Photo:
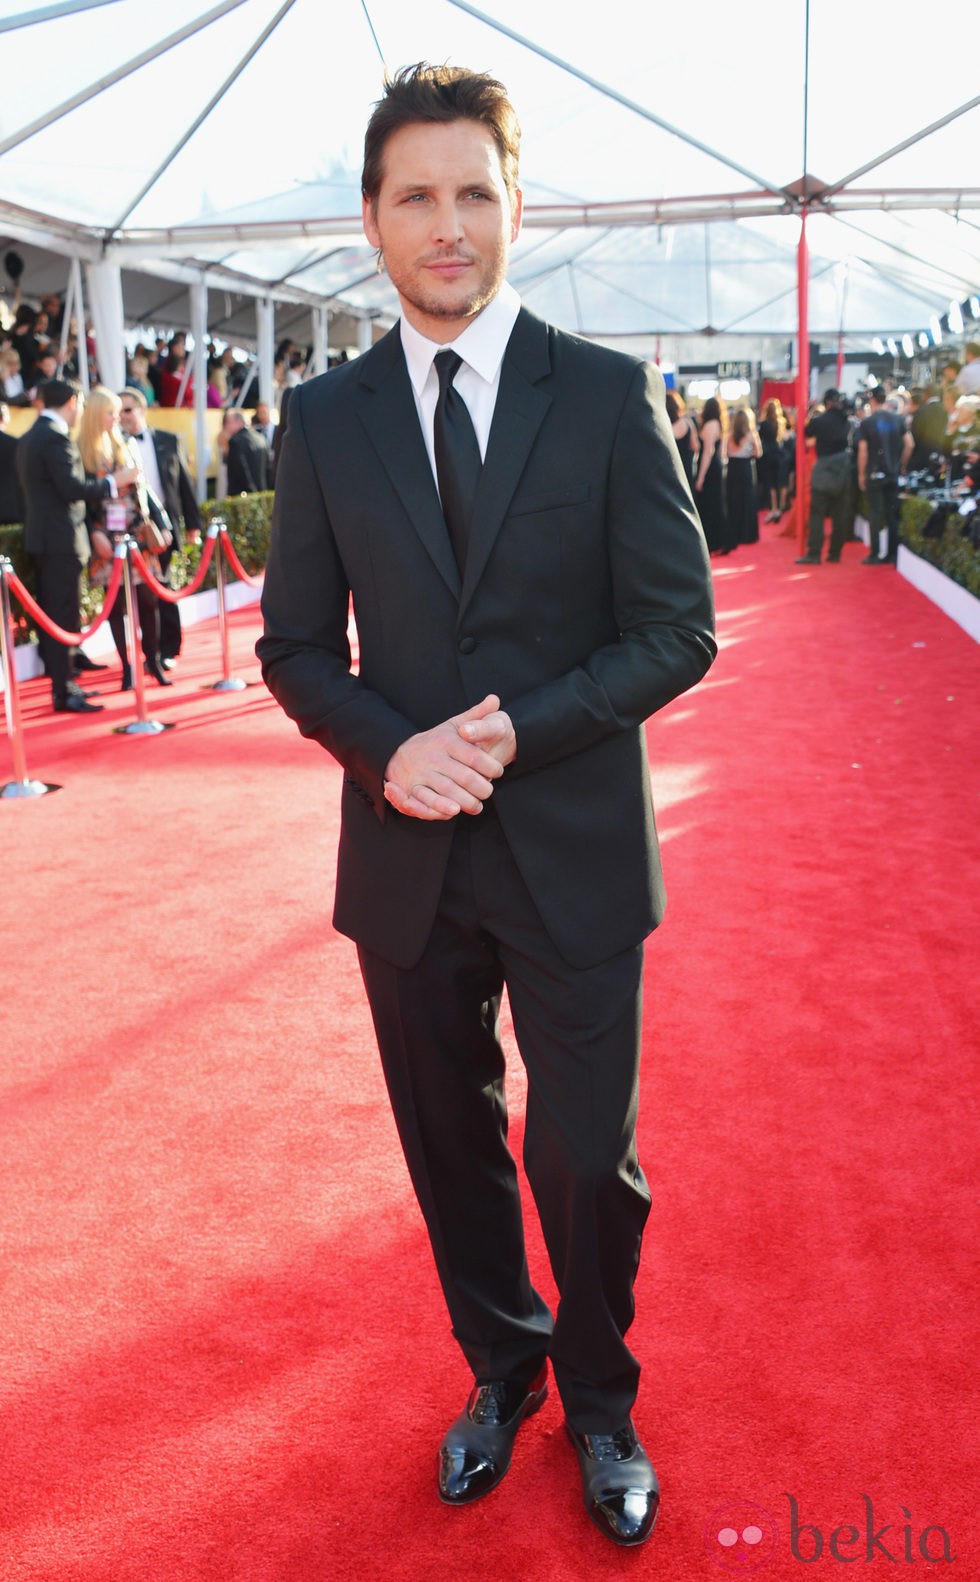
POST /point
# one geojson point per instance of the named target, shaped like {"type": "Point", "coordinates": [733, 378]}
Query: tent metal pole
{"type": "Point", "coordinates": [50, 13]}
{"type": "Point", "coordinates": [199, 119]}
{"type": "Point", "coordinates": [802, 381]}
{"type": "Point", "coordinates": [199, 328]}
{"type": "Point", "coordinates": [900, 148]}
{"type": "Point", "coordinates": [125, 70]}
{"type": "Point", "coordinates": [611, 93]}
{"type": "Point", "coordinates": [81, 338]}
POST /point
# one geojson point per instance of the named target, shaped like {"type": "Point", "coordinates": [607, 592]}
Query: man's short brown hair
{"type": "Point", "coordinates": [425, 93]}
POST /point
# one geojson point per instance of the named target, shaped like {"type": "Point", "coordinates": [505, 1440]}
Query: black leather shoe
{"type": "Point", "coordinates": [808, 560]}
{"type": "Point", "coordinates": [83, 662]}
{"type": "Point", "coordinates": [621, 1491]}
{"type": "Point", "coordinates": [476, 1451]}
{"type": "Point", "coordinates": [76, 703]}
{"type": "Point", "coordinates": [153, 667]}
{"type": "Point", "coordinates": [127, 679]}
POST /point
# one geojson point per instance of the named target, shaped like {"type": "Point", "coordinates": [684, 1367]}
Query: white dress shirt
{"type": "Point", "coordinates": [481, 346]}
{"type": "Point", "coordinates": [146, 452]}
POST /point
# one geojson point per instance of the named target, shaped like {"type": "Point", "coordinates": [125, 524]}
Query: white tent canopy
{"type": "Point", "coordinates": [216, 145]}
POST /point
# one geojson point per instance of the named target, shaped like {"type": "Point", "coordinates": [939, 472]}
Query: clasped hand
{"type": "Point", "coordinates": [450, 769]}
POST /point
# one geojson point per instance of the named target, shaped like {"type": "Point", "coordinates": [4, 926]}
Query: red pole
{"type": "Point", "coordinates": [802, 380]}
{"type": "Point", "coordinates": [839, 374]}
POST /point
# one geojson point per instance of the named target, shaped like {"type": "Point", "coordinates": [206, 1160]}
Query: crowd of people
{"type": "Point", "coordinates": [36, 346]}
{"type": "Point", "coordinates": [736, 466]}
{"type": "Point", "coordinates": [741, 468]}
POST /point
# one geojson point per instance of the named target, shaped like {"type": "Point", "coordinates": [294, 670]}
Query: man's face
{"type": "Point", "coordinates": [130, 416]}
{"type": "Point", "coordinates": [444, 221]}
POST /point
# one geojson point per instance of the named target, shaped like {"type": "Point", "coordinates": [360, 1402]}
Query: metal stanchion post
{"type": "Point", "coordinates": [21, 786]}
{"type": "Point", "coordinates": [218, 528]}
{"type": "Point", "coordinates": [141, 726]}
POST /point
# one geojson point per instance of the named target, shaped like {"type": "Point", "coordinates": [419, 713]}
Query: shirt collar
{"type": "Point", "coordinates": [482, 344]}
{"type": "Point", "coordinates": [57, 419]}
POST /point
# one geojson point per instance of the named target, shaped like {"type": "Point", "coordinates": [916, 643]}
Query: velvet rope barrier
{"type": "Point", "coordinates": [34, 610]}
{"type": "Point", "coordinates": [236, 565]}
{"type": "Point", "coordinates": [160, 588]}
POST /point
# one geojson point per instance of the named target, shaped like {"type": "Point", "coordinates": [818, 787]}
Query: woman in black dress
{"type": "Point", "coordinates": [772, 432]}
{"type": "Point", "coordinates": [709, 487]}
{"type": "Point", "coordinates": [742, 451]}
{"type": "Point", "coordinates": [685, 431]}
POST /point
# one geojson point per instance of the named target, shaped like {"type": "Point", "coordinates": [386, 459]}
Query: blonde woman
{"type": "Point", "coordinates": [104, 450]}
{"type": "Point", "coordinates": [742, 450]}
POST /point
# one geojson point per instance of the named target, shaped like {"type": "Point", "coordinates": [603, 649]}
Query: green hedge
{"type": "Point", "coordinates": [952, 553]}
{"type": "Point", "coordinates": [249, 518]}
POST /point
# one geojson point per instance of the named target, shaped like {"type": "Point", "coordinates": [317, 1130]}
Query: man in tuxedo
{"type": "Point", "coordinates": [246, 454]}
{"type": "Point", "coordinates": [169, 482]}
{"type": "Point", "coordinates": [530, 583]}
{"type": "Point", "coordinates": [55, 495]}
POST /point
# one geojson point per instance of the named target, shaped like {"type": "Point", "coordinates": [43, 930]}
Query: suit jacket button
{"type": "Point", "coordinates": [467, 645]}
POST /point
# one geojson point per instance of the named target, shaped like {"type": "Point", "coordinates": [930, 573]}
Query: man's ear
{"type": "Point", "coordinates": [369, 222]}
{"type": "Point", "coordinates": [516, 211]}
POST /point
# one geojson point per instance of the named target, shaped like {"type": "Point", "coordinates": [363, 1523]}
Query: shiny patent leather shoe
{"type": "Point", "coordinates": [476, 1451]}
{"type": "Point", "coordinates": [622, 1494]}
{"type": "Point", "coordinates": [153, 667]}
{"type": "Point", "coordinates": [76, 703]}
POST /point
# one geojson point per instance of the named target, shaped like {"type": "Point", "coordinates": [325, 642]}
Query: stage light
{"type": "Point", "coordinates": [908, 346]}
{"type": "Point", "coordinates": [955, 317]}
{"type": "Point", "coordinates": [923, 340]}
{"type": "Point", "coordinates": [975, 307]}
{"type": "Point", "coordinates": [878, 346]}
{"type": "Point", "coordinates": [893, 346]}
{"type": "Point", "coordinates": [936, 331]}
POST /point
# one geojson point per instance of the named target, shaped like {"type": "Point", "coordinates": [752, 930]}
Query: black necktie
{"type": "Point", "coordinates": [457, 452]}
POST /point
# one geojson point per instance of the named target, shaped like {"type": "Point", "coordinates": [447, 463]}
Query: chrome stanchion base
{"type": "Point", "coordinates": [229, 684]}
{"type": "Point", "coordinates": [143, 728]}
{"type": "Point", "coordinates": [25, 788]}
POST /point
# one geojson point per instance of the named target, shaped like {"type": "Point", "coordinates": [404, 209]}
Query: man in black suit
{"type": "Point", "coordinates": [55, 494]}
{"type": "Point", "coordinates": [11, 499]}
{"type": "Point", "coordinates": [246, 454]}
{"type": "Point", "coordinates": [497, 823]}
{"type": "Point", "coordinates": [169, 482]}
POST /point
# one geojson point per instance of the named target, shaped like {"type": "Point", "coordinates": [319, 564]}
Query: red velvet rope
{"type": "Point", "coordinates": [236, 565]}
{"type": "Point", "coordinates": [160, 588]}
{"type": "Point", "coordinates": [34, 610]}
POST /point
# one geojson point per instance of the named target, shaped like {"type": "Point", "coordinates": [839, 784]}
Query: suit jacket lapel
{"type": "Point", "coordinates": [387, 411]}
{"type": "Point", "coordinates": [517, 417]}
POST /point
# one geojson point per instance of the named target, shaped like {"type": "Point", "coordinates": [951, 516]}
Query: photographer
{"type": "Point", "coordinates": [880, 441]}
{"type": "Point", "coordinates": [830, 481]}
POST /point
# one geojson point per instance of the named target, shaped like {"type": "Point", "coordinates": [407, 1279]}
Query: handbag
{"type": "Point", "coordinates": [153, 538]}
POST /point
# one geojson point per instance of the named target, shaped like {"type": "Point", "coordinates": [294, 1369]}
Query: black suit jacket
{"type": "Point", "coordinates": [586, 605]}
{"type": "Point", "coordinates": [56, 492]}
{"type": "Point", "coordinates": [11, 498]}
{"type": "Point", "coordinates": [248, 462]}
{"type": "Point", "coordinates": [179, 499]}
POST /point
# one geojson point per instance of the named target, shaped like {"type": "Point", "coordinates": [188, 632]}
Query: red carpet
{"type": "Point", "coordinates": [225, 1355]}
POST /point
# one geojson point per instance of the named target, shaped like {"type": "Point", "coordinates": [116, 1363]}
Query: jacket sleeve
{"type": "Point", "coordinates": [661, 585]}
{"type": "Point", "coordinates": [305, 652]}
{"type": "Point", "coordinates": [67, 479]}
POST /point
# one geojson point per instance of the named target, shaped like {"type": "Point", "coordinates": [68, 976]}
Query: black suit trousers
{"type": "Point", "coordinates": [59, 593]}
{"type": "Point", "coordinates": [578, 1032]}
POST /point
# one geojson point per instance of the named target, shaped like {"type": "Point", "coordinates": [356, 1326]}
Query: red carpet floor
{"type": "Point", "coordinates": [224, 1351]}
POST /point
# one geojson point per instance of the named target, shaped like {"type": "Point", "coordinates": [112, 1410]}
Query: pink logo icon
{"type": "Point", "coordinates": [740, 1537]}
